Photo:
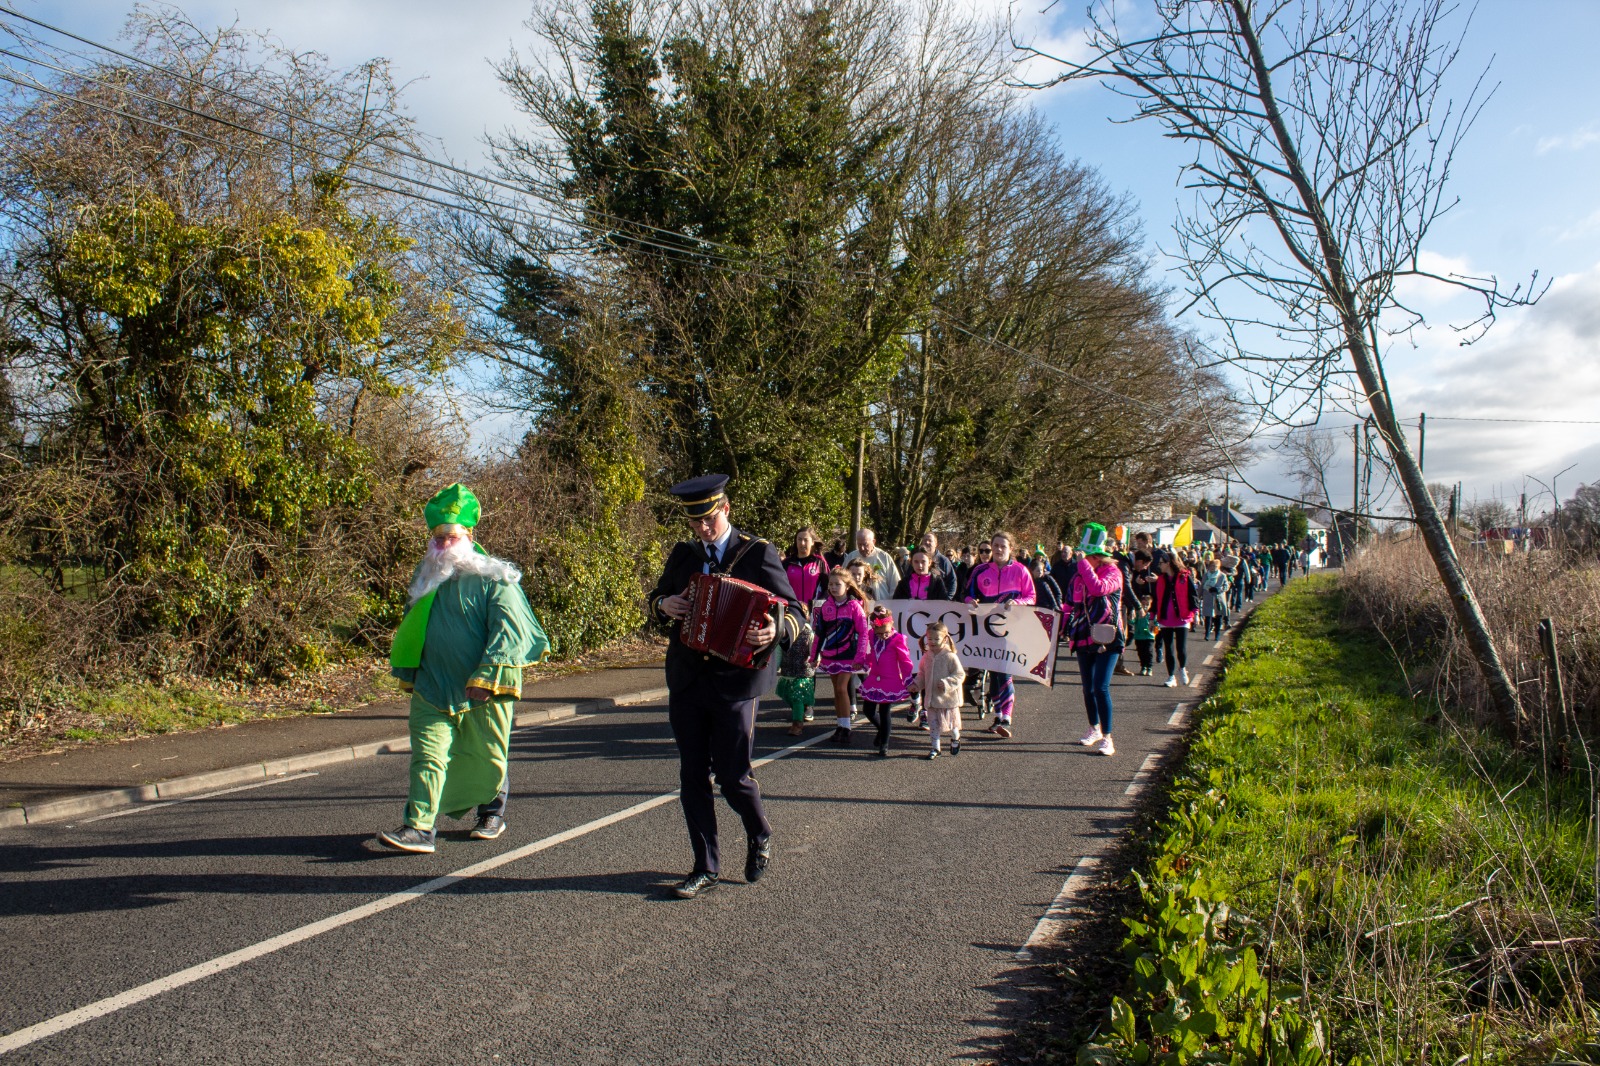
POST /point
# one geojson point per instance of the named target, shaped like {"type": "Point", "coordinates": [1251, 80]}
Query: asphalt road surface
{"type": "Point", "coordinates": [263, 926]}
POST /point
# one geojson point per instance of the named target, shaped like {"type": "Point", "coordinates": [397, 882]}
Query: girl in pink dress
{"type": "Point", "coordinates": [840, 623]}
{"type": "Point", "coordinates": [888, 677]}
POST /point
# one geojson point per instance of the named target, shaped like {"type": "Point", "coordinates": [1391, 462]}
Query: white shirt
{"type": "Point", "coordinates": [721, 545]}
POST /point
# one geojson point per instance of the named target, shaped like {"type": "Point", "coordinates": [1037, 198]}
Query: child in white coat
{"type": "Point", "coordinates": [939, 678]}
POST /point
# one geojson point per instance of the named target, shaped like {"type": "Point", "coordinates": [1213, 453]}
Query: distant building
{"type": "Point", "coordinates": [1234, 524]}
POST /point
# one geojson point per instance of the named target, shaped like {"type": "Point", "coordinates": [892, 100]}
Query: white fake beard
{"type": "Point", "coordinates": [440, 565]}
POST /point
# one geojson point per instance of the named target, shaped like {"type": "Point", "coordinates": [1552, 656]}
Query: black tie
{"type": "Point", "coordinates": [711, 555]}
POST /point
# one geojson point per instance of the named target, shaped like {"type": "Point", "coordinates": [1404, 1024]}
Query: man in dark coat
{"type": "Point", "coordinates": [712, 703]}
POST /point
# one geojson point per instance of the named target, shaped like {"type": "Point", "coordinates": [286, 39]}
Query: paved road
{"type": "Point", "coordinates": [885, 933]}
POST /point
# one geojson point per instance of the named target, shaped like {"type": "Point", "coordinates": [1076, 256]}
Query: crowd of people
{"type": "Point", "coordinates": [468, 633]}
{"type": "Point", "coordinates": [1110, 594]}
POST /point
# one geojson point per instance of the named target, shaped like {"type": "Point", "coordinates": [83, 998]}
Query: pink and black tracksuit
{"type": "Point", "coordinates": [992, 583]}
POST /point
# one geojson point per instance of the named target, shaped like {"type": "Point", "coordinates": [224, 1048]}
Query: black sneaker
{"type": "Point", "coordinates": [883, 751]}
{"type": "Point", "coordinates": [416, 841]}
{"type": "Point", "coordinates": [695, 884]}
{"type": "Point", "coordinates": [955, 746]}
{"type": "Point", "coordinates": [489, 826]}
{"type": "Point", "coordinates": [757, 859]}
{"type": "Point", "coordinates": [932, 755]}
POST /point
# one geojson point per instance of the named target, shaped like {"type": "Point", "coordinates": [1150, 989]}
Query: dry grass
{"type": "Point", "coordinates": [1396, 588]}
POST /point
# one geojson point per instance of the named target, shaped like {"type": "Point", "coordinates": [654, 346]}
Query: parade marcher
{"type": "Point", "coordinates": [939, 561]}
{"type": "Point", "coordinates": [938, 680]}
{"type": "Point", "coordinates": [711, 703]}
{"type": "Point", "coordinates": [806, 567]}
{"type": "Point", "coordinates": [1144, 636]}
{"type": "Point", "coordinates": [1175, 610]}
{"type": "Point", "coordinates": [1001, 580]}
{"type": "Point", "coordinates": [889, 670]}
{"type": "Point", "coordinates": [797, 679]}
{"type": "Point", "coordinates": [1214, 588]}
{"type": "Point", "coordinates": [922, 582]}
{"type": "Point", "coordinates": [1095, 593]}
{"type": "Point", "coordinates": [885, 575]}
{"type": "Point", "coordinates": [467, 634]}
{"type": "Point", "coordinates": [842, 643]}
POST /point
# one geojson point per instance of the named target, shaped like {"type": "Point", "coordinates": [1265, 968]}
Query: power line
{"type": "Point", "coordinates": [548, 196]}
{"type": "Point", "coordinates": [1526, 421]}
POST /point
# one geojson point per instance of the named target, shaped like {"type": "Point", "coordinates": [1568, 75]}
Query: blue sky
{"type": "Point", "coordinates": [1526, 178]}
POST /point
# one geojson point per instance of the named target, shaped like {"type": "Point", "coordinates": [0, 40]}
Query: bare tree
{"type": "Point", "coordinates": [1323, 140]}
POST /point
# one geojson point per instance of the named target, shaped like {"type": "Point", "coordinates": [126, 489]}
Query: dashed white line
{"type": "Point", "coordinates": [1180, 715]}
{"type": "Point", "coordinates": [190, 799]}
{"type": "Point", "coordinates": [1060, 908]}
{"type": "Point", "coordinates": [1208, 660]}
{"type": "Point", "coordinates": [111, 1004]}
{"type": "Point", "coordinates": [1142, 776]}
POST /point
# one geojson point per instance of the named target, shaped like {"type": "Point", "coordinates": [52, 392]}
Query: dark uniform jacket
{"type": "Point", "coordinates": [760, 565]}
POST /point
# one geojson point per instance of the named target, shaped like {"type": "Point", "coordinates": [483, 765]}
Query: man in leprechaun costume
{"type": "Point", "coordinates": [467, 633]}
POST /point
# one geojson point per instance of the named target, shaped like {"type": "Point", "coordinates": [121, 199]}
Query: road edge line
{"type": "Point", "coordinates": [68, 807]}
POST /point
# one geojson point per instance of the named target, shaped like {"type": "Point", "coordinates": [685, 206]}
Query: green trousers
{"type": "Point", "coordinates": [457, 761]}
{"type": "Point", "coordinates": [799, 693]}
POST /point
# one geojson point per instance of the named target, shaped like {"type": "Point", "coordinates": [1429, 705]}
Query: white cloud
{"type": "Point", "coordinates": [1538, 363]}
{"type": "Point", "coordinates": [1582, 137]}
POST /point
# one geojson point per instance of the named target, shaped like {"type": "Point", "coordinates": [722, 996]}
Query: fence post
{"type": "Point", "coordinates": [1547, 638]}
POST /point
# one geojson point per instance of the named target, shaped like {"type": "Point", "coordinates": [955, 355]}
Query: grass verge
{"type": "Point", "coordinates": [1342, 874]}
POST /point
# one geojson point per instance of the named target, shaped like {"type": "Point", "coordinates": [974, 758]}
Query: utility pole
{"type": "Point", "coordinates": [1422, 442]}
{"type": "Point", "coordinates": [1355, 485]}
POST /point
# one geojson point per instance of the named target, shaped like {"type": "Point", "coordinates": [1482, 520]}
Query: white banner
{"type": "Point", "coordinates": [1013, 638]}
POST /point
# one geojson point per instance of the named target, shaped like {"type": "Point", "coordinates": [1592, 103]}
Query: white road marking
{"type": "Point", "coordinates": [1141, 778]}
{"type": "Point", "coordinates": [99, 1009]}
{"type": "Point", "coordinates": [1058, 912]}
{"type": "Point", "coordinates": [1180, 714]}
{"type": "Point", "coordinates": [1207, 661]}
{"type": "Point", "coordinates": [190, 799]}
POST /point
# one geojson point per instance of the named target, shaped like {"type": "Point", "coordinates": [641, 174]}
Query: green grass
{"type": "Point", "coordinates": [142, 708]}
{"type": "Point", "coordinates": [1398, 880]}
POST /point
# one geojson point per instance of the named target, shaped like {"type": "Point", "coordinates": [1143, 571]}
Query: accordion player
{"type": "Point", "coordinates": [722, 611]}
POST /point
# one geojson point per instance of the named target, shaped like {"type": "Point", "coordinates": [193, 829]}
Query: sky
{"type": "Point", "coordinates": [1525, 178]}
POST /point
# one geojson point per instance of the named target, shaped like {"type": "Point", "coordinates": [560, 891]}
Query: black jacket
{"type": "Point", "coordinates": [939, 587]}
{"type": "Point", "coordinates": [760, 565]}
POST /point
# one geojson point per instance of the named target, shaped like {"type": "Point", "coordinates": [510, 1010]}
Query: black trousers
{"type": "Point", "coordinates": [1175, 646]}
{"type": "Point", "coordinates": [716, 740]}
{"type": "Point", "coordinates": [879, 715]}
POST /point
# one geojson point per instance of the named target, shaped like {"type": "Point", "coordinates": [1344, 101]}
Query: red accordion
{"type": "Point", "coordinates": [721, 610]}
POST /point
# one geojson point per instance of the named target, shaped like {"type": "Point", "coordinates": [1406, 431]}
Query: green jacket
{"type": "Point", "coordinates": [479, 632]}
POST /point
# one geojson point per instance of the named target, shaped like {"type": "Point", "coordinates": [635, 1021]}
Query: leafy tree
{"type": "Point", "coordinates": [767, 131]}
{"type": "Point", "coordinates": [1282, 525]}
{"type": "Point", "coordinates": [208, 313]}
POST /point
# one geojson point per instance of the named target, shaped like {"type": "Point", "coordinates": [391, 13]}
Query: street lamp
{"type": "Point", "coordinates": [1554, 495]}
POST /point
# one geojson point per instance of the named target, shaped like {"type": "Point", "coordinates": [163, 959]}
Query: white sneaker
{"type": "Point", "coordinates": [1183, 677]}
{"type": "Point", "coordinates": [1091, 738]}
{"type": "Point", "coordinates": [1106, 747]}
{"type": "Point", "coordinates": [1170, 682]}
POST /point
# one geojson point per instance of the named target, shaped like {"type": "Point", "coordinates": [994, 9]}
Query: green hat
{"type": "Point", "coordinates": [455, 506]}
{"type": "Point", "coordinates": [1094, 540]}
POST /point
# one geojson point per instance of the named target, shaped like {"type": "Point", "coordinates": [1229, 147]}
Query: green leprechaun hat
{"type": "Point", "coordinates": [1094, 540]}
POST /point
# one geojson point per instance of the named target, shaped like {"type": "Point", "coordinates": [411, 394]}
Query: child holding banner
{"type": "Point", "coordinates": [938, 679]}
{"type": "Point", "coordinates": [1001, 580]}
{"type": "Point", "coordinates": [888, 675]}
